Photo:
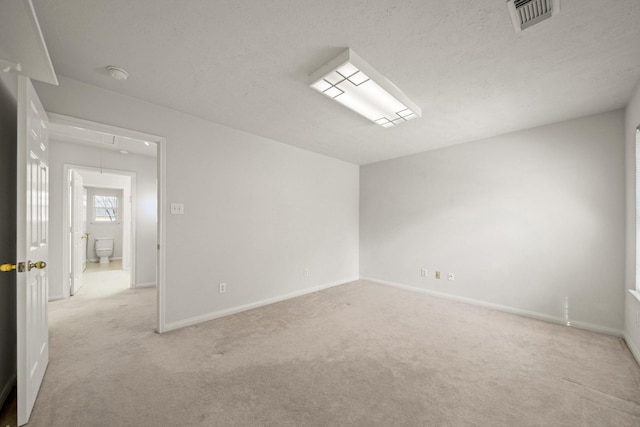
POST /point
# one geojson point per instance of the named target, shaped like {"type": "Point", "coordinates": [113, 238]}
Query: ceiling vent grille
{"type": "Point", "coordinates": [526, 13]}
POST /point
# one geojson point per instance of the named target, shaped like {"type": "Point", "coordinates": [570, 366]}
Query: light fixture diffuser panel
{"type": "Point", "coordinates": [351, 81]}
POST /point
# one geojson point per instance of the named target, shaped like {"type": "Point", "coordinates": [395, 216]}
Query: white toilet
{"type": "Point", "coordinates": [104, 249]}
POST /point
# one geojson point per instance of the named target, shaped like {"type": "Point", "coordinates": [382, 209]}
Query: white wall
{"type": "Point", "coordinates": [257, 212]}
{"type": "Point", "coordinates": [632, 304]}
{"type": "Point", "coordinates": [8, 136]}
{"type": "Point", "coordinates": [524, 220]}
{"type": "Point", "coordinates": [102, 229]}
{"type": "Point", "coordinates": [62, 153]}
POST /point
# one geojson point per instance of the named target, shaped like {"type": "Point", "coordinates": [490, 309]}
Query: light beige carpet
{"type": "Point", "coordinates": [359, 354]}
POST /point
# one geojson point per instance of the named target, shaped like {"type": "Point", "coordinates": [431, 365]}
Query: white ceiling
{"type": "Point", "coordinates": [245, 64]}
{"type": "Point", "coordinates": [23, 48]}
{"type": "Point", "coordinates": [99, 139]}
{"type": "Point", "coordinates": [100, 179]}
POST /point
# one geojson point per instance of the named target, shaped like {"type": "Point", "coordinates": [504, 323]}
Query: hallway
{"type": "Point", "coordinates": [102, 279]}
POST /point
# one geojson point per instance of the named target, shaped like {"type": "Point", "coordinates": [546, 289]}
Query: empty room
{"type": "Point", "coordinates": [298, 213]}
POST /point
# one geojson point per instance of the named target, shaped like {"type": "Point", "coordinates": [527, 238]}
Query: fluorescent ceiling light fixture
{"type": "Point", "coordinates": [351, 81]}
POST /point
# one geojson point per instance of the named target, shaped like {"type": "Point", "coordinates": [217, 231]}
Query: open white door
{"type": "Point", "coordinates": [77, 231]}
{"type": "Point", "coordinates": [32, 247]}
{"type": "Point", "coordinates": [84, 229]}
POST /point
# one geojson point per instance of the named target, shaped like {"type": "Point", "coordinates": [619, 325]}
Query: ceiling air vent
{"type": "Point", "coordinates": [526, 13]}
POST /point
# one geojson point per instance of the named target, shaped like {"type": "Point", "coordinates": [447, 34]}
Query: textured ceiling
{"type": "Point", "coordinates": [245, 64]}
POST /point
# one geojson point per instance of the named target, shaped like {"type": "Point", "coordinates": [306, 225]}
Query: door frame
{"type": "Point", "coordinates": [66, 217]}
{"type": "Point", "coordinates": [161, 198]}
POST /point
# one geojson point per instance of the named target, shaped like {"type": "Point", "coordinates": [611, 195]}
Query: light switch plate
{"type": "Point", "coordinates": [177, 208]}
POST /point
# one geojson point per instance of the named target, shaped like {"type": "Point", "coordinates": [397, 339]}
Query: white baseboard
{"type": "Point", "coordinates": [504, 308]}
{"type": "Point", "coordinates": [7, 389]}
{"type": "Point", "coordinates": [145, 285]}
{"type": "Point", "coordinates": [55, 298]}
{"type": "Point", "coordinates": [634, 350]}
{"type": "Point", "coordinates": [233, 310]}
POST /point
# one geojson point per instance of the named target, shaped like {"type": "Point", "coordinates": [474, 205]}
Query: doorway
{"type": "Point", "coordinates": [100, 223]}
{"type": "Point", "coordinates": [117, 177]}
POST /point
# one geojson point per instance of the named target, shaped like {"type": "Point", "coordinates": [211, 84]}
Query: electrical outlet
{"type": "Point", "coordinates": [306, 272]}
{"type": "Point", "coordinates": [424, 272]}
{"type": "Point", "coordinates": [451, 276]}
{"type": "Point", "coordinates": [177, 208]}
{"type": "Point", "coordinates": [222, 288]}
{"type": "Point", "coordinates": [437, 274]}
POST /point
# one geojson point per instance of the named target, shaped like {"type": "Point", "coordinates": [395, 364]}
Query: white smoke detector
{"type": "Point", "coordinates": [117, 73]}
{"type": "Point", "coordinates": [527, 13]}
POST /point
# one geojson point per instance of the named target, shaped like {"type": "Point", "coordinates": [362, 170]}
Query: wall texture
{"type": "Point", "coordinates": [257, 212]}
{"type": "Point", "coordinates": [62, 153]}
{"type": "Point", "coordinates": [528, 221]}
{"type": "Point", "coordinates": [632, 304]}
{"type": "Point", "coordinates": [8, 135]}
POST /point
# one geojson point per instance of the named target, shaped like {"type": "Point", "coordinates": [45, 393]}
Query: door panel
{"type": "Point", "coordinates": [32, 246]}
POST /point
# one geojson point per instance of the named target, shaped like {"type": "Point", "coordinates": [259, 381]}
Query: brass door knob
{"type": "Point", "coordinates": [39, 265]}
{"type": "Point", "coordinates": [10, 267]}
